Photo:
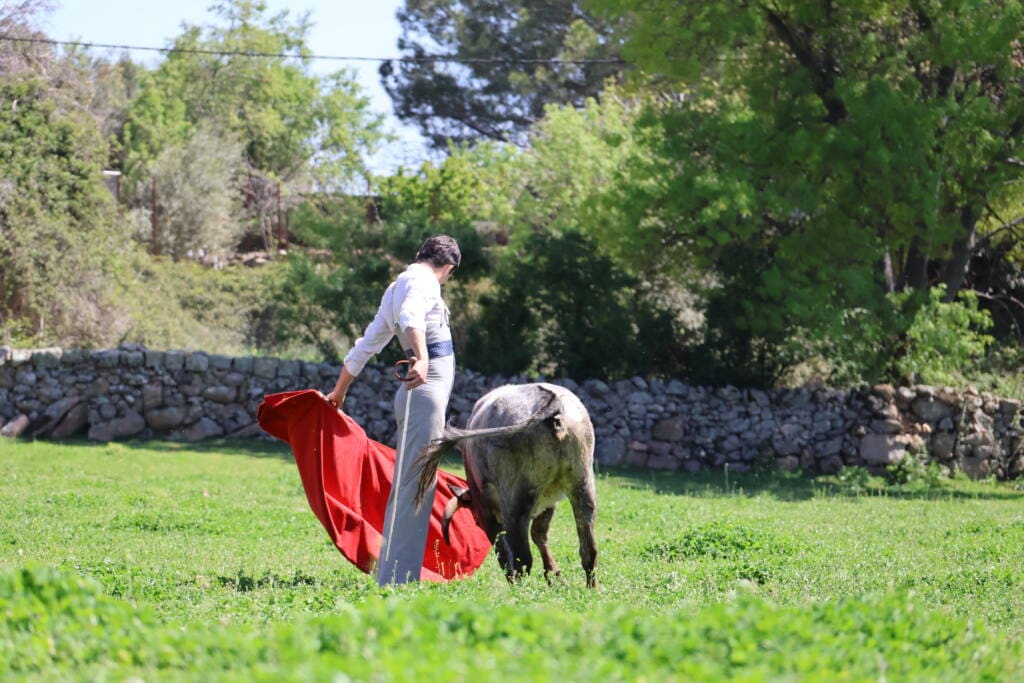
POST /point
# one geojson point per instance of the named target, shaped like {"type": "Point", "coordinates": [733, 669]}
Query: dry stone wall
{"type": "Point", "coordinates": [134, 392]}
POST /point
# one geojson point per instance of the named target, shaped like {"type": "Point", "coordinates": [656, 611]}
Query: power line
{"type": "Point", "coordinates": [337, 58]}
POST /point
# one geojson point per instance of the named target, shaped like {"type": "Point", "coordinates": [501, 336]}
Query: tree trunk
{"type": "Point", "coordinates": [915, 270]}
{"type": "Point", "coordinates": [963, 248]}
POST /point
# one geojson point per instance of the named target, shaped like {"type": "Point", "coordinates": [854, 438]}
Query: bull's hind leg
{"type": "Point", "coordinates": [539, 534]}
{"type": "Point", "coordinates": [584, 508]}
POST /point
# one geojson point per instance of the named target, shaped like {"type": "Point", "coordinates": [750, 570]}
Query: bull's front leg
{"type": "Point", "coordinates": [539, 534]}
{"type": "Point", "coordinates": [584, 508]}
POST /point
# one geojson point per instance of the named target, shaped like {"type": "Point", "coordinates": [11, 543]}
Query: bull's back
{"type": "Point", "coordinates": [544, 461]}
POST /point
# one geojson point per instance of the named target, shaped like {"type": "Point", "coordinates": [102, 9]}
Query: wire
{"type": "Point", "coordinates": [253, 53]}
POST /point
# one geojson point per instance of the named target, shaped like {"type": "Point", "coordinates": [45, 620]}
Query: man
{"type": "Point", "coordinates": [412, 310]}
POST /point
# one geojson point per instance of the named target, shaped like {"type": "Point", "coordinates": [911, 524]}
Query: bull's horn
{"type": "Point", "coordinates": [449, 511]}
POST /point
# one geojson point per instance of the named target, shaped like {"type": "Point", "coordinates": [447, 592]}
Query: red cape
{"type": "Point", "coordinates": [347, 478]}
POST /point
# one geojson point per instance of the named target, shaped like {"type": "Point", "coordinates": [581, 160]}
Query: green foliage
{"type": "Point", "coordinates": [854, 480]}
{"type": "Point", "coordinates": [167, 305]}
{"type": "Point", "coordinates": [945, 340]}
{"type": "Point", "coordinates": [59, 624]}
{"type": "Point", "coordinates": [560, 307]}
{"type": "Point", "coordinates": [173, 566]}
{"type": "Point", "coordinates": [285, 116]}
{"type": "Point", "coordinates": [488, 98]}
{"type": "Point", "coordinates": [324, 301]}
{"type": "Point", "coordinates": [198, 204]}
{"type": "Point", "coordinates": [823, 144]}
{"type": "Point", "coordinates": [915, 470]}
{"type": "Point", "coordinates": [59, 237]}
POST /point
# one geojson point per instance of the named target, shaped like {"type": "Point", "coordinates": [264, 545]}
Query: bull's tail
{"type": "Point", "coordinates": [429, 460]}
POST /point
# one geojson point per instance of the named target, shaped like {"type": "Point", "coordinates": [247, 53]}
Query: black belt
{"type": "Point", "coordinates": [437, 349]}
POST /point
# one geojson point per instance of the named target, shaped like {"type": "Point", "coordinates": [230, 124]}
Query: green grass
{"type": "Point", "coordinates": [185, 562]}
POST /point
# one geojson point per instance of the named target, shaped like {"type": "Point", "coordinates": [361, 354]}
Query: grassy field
{"type": "Point", "coordinates": [173, 562]}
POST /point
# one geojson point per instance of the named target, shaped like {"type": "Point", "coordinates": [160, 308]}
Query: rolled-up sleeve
{"type": "Point", "coordinates": [377, 335]}
{"type": "Point", "coordinates": [418, 300]}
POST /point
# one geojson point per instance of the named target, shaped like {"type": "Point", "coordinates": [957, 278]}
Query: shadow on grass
{"type": "Point", "coordinates": [793, 487]}
{"type": "Point", "coordinates": [257, 448]}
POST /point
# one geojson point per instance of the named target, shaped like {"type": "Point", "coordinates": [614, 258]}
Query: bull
{"type": "Point", "coordinates": [525, 447]}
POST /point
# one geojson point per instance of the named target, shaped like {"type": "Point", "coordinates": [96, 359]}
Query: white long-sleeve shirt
{"type": "Point", "coordinates": [412, 300]}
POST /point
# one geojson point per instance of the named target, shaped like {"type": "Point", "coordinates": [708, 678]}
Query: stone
{"type": "Point", "coordinates": [671, 429]}
{"type": "Point", "coordinates": [610, 450]}
{"type": "Point", "coordinates": [220, 393]}
{"type": "Point", "coordinates": [154, 360]}
{"type": "Point", "coordinates": [831, 447]}
{"type": "Point", "coordinates": [886, 426]}
{"type": "Point", "coordinates": [660, 447]}
{"type": "Point", "coordinates": [162, 419]}
{"type": "Point", "coordinates": [249, 431]}
{"type": "Point", "coordinates": [152, 395]}
{"type": "Point", "coordinates": [109, 358]}
{"type": "Point", "coordinates": [243, 364]}
{"type": "Point", "coordinates": [19, 356]}
{"type": "Point", "coordinates": [662, 462]}
{"type": "Point", "coordinates": [218, 362]}
{"type": "Point", "coordinates": [788, 463]}
{"type": "Point", "coordinates": [943, 444]}
{"type": "Point", "coordinates": [55, 412]}
{"type": "Point", "coordinates": [25, 376]}
{"type": "Point", "coordinates": [265, 368]}
{"type": "Point", "coordinates": [289, 369]}
{"type": "Point", "coordinates": [830, 465]}
{"type": "Point", "coordinates": [15, 427]}
{"type": "Point", "coordinates": [636, 458]}
{"type": "Point", "coordinates": [886, 392]}
{"type": "Point", "coordinates": [676, 388]}
{"type": "Point", "coordinates": [205, 428]}
{"type": "Point", "coordinates": [930, 409]}
{"type": "Point", "coordinates": [881, 449]}
{"type": "Point", "coordinates": [73, 422]}
{"type": "Point", "coordinates": [47, 358]}
{"type": "Point", "coordinates": [174, 360]}
{"type": "Point", "coordinates": [975, 468]}
{"type": "Point", "coordinates": [132, 359]}
{"type": "Point", "coordinates": [129, 424]}
{"type": "Point", "coordinates": [787, 440]}
{"type": "Point", "coordinates": [5, 353]}
{"type": "Point", "coordinates": [197, 362]}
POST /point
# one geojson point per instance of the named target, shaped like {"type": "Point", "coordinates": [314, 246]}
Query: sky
{"type": "Point", "coordinates": [353, 28]}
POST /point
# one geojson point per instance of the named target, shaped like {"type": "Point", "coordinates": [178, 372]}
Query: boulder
{"type": "Point", "coordinates": [162, 419]}
{"type": "Point", "coordinates": [205, 428]}
{"type": "Point", "coordinates": [15, 427]}
{"type": "Point", "coordinates": [882, 449]}
{"type": "Point", "coordinates": [930, 409]}
{"type": "Point", "coordinates": [610, 450]}
{"type": "Point", "coordinates": [73, 422]}
{"type": "Point", "coordinates": [220, 393]}
{"type": "Point", "coordinates": [671, 429]}
{"type": "Point", "coordinates": [129, 424]}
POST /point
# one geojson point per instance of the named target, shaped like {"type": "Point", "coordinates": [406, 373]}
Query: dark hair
{"type": "Point", "coordinates": [438, 251]}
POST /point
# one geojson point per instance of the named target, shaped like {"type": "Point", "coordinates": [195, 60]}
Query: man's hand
{"type": "Point", "coordinates": [417, 374]}
{"type": "Point", "coordinates": [336, 398]}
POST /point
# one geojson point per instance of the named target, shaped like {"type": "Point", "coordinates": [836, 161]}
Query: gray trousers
{"type": "Point", "coordinates": [401, 555]}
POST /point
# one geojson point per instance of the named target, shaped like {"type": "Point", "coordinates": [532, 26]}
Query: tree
{"type": "Point", "coordinates": [851, 147]}
{"type": "Point", "coordinates": [59, 237]}
{"type": "Point", "coordinates": [297, 129]}
{"type": "Point", "coordinates": [197, 212]}
{"type": "Point", "coordinates": [498, 92]}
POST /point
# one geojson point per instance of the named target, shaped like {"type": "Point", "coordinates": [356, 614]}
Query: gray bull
{"type": "Point", "coordinates": [526, 447]}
